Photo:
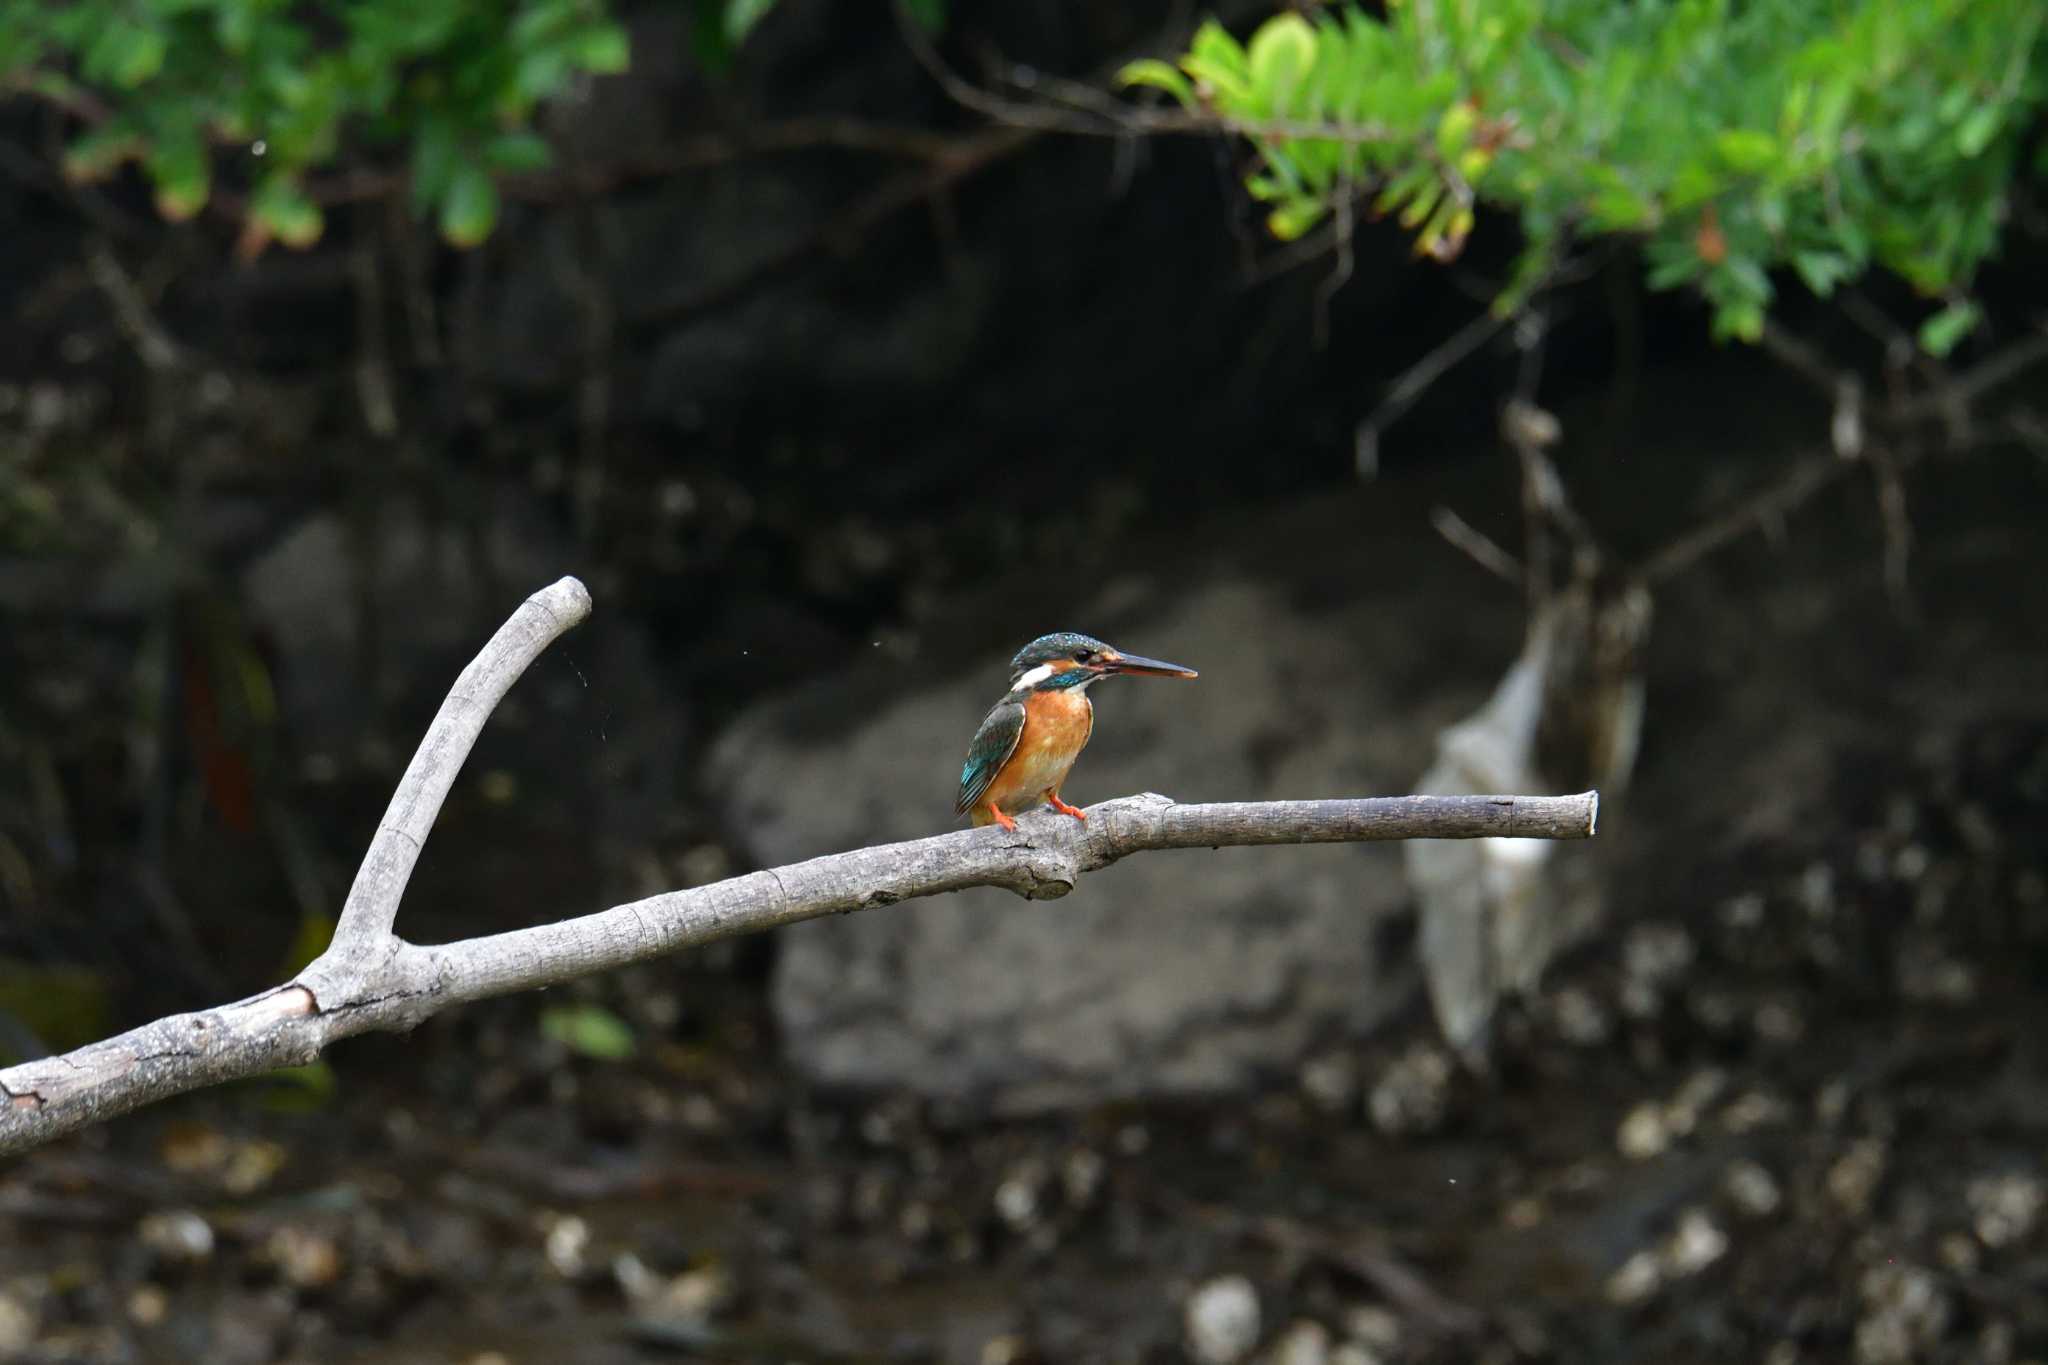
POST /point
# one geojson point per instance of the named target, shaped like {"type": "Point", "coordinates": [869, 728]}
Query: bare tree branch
{"type": "Point", "coordinates": [1879, 439]}
{"type": "Point", "coordinates": [370, 979]}
{"type": "Point", "coordinates": [1768, 506]}
{"type": "Point", "coordinates": [364, 929]}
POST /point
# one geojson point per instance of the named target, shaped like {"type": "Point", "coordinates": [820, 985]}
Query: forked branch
{"type": "Point", "coordinates": [370, 979]}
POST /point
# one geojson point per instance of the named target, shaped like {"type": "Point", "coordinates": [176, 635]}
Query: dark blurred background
{"type": "Point", "coordinates": [830, 431]}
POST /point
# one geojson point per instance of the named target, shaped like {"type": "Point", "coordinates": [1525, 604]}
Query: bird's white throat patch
{"type": "Point", "coordinates": [1031, 678]}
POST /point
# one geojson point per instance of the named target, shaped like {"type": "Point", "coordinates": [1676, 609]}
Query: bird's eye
{"type": "Point", "coordinates": [1082, 656]}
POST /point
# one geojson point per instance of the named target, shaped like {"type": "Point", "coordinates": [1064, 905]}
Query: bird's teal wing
{"type": "Point", "coordinates": [993, 744]}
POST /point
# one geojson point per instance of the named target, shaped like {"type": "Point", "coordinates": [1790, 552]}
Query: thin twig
{"type": "Point", "coordinates": [1901, 352]}
{"type": "Point", "coordinates": [1898, 528]}
{"type": "Point", "coordinates": [131, 310]}
{"type": "Point", "coordinates": [1982, 378]}
{"type": "Point", "coordinates": [1479, 547]}
{"type": "Point", "coordinates": [1090, 113]}
{"type": "Point", "coordinates": [1416, 380]}
{"type": "Point", "coordinates": [970, 156]}
{"type": "Point", "coordinates": [1340, 274]}
{"type": "Point", "coordinates": [369, 979]}
{"type": "Point", "coordinates": [1802, 359]}
{"type": "Point", "coordinates": [1766, 507]}
{"type": "Point", "coordinates": [375, 392]}
{"type": "Point", "coordinates": [701, 151]}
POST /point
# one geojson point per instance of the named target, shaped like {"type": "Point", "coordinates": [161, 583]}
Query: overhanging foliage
{"type": "Point", "coordinates": [1732, 139]}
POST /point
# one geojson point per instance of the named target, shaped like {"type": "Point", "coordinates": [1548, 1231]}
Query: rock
{"type": "Point", "coordinates": [1372, 1326]}
{"type": "Point", "coordinates": [1695, 1244]}
{"type": "Point", "coordinates": [306, 1257]}
{"type": "Point", "coordinates": [1854, 1177]}
{"type": "Point", "coordinates": [1176, 973]}
{"type": "Point", "coordinates": [1303, 1343]}
{"type": "Point", "coordinates": [20, 1319]}
{"type": "Point", "coordinates": [176, 1235]}
{"type": "Point", "coordinates": [1018, 1196]}
{"type": "Point", "coordinates": [1082, 1175]}
{"type": "Point", "coordinates": [1752, 1189]}
{"type": "Point", "coordinates": [1906, 1314]}
{"type": "Point", "coordinates": [1338, 638]}
{"type": "Point", "coordinates": [1413, 1095]}
{"type": "Point", "coordinates": [1222, 1320]}
{"type": "Point", "coordinates": [2004, 1208]}
{"type": "Point", "coordinates": [1637, 1278]}
{"type": "Point", "coordinates": [567, 1243]}
{"type": "Point", "coordinates": [1643, 1133]}
{"type": "Point", "coordinates": [1331, 1081]}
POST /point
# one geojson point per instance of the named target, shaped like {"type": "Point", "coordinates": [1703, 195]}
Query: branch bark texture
{"type": "Point", "coordinates": [370, 979]}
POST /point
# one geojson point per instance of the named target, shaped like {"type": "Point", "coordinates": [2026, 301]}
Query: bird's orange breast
{"type": "Point", "coordinates": [1056, 729]}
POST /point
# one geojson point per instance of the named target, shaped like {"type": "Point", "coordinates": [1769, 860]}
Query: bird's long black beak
{"type": "Point", "coordinates": [1150, 668]}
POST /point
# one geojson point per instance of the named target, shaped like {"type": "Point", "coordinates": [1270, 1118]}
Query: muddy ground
{"type": "Point", "coordinates": [1797, 1116]}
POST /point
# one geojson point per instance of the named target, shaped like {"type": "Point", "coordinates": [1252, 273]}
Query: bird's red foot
{"type": "Point", "coordinates": [1005, 821]}
{"type": "Point", "coordinates": [1063, 808]}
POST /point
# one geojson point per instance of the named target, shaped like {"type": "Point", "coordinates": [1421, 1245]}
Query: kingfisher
{"type": "Point", "coordinates": [1024, 749]}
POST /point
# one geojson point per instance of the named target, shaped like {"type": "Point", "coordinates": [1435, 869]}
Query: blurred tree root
{"type": "Point", "coordinates": [1569, 711]}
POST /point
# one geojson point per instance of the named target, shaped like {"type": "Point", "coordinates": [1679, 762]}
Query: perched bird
{"type": "Point", "coordinates": [1026, 746]}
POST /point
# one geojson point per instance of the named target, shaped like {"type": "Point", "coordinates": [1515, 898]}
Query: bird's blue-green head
{"type": "Point", "coordinates": [1066, 659]}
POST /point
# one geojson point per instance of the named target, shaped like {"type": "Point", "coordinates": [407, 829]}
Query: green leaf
{"type": "Point", "coordinates": [1213, 44]}
{"type": "Point", "coordinates": [742, 15]}
{"type": "Point", "coordinates": [235, 24]}
{"type": "Point", "coordinates": [183, 173]}
{"type": "Point", "coordinates": [1743, 319]}
{"type": "Point", "coordinates": [1822, 270]}
{"type": "Point", "coordinates": [1746, 151]}
{"type": "Point", "coordinates": [1233, 91]}
{"type": "Point", "coordinates": [126, 53]}
{"type": "Point", "coordinates": [708, 37]}
{"type": "Point", "coordinates": [1160, 76]}
{"type": "Point", "coordinates": [1978, 129]}
{"type": "Point", "coordinates": [1695, 183]}
{"type": "Point", "coordinates": [101, 152]}
{"type": "Point", "coordinates": [1454, 129]}
{"type": "Point", "coordinates": [589, 1029]}
{"type": "Point", "coordinates": [1294, 218]}
{"type": "Point", "coordinates": [929, 15]}
{"type": "Point", "coordinates": [283, 208]}
{"type": "Point", "coordinates": [469, 208]}
{"type": "Point", "coordinates": [1940, 333]}
{"type": "Point", "coordinates": [1282, 51]}
{"type": "Point", "coordinates": [542, 72]}
{"type": "Point", "coordinates": [1618, 209]}
{"type": "Point", "coordinates": [603, 49]}
{"type": "Point", "coordinates": [1746, 276]}
{"type": "Point", "coordinates": [1673, 264]}
{"type": "Point", "coordinates": [518, 153]}
{"type": "Point", "coordinates": [436, 153]}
